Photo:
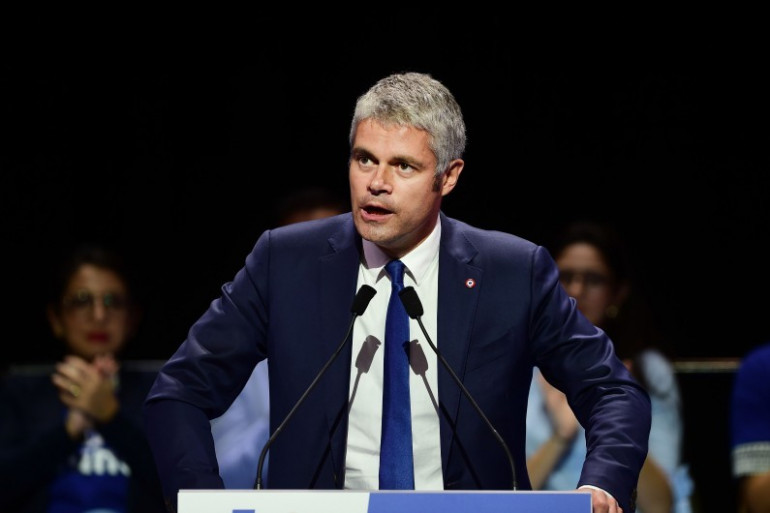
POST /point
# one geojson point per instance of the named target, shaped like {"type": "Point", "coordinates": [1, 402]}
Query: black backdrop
{"type": "Point", "coordinates": [177, 153]}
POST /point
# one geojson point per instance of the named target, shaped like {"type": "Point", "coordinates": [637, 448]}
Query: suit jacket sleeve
{"type": "Point", "coordinates": [579, 359]}
{"type": "Point", "coordinates": [221, 348]}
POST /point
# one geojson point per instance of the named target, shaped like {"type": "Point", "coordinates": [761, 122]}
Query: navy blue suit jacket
{"type": "Point", "coordinates": [291, 303]}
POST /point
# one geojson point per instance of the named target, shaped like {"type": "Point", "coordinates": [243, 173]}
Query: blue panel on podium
{"type": "Point", "coordinates": [481, 502]}
{"type": "Point", "coordinates": [360, 501]}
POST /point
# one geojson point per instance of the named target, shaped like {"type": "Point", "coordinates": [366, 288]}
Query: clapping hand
{"type": "Point", "coordinates": [88, 390]}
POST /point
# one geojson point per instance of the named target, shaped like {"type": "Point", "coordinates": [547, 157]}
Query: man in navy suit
{"type": "Point", "coordinates": [492, 304]}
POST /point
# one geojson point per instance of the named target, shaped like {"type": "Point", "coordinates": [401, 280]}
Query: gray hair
{"type": "Point", "coordinates": [418, 100]}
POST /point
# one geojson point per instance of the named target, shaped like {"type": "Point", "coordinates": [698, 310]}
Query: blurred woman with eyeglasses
{"type": "Point", "coordinates": [71, 436]}
{"type": "Point", "coordinates": [595, 270]}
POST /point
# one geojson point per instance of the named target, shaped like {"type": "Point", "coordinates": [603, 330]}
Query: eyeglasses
{"type": "Point", "coordinates": [589, 279]}
{"type": "Point", "coordinates": [84, 301]}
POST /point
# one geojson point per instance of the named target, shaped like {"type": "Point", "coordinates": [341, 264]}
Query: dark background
{"type": "Point", "coordinates": [177, 155]}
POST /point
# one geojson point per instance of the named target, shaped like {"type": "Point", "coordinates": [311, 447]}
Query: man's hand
{"type": "Point", "coordinates": [601, 501]}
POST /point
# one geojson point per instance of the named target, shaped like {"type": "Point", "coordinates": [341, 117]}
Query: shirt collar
{"type": "Point", "coordinates": [416, 261]}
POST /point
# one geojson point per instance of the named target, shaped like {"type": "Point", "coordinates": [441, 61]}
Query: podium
{"type": "Point", "coordinates": [383, 501]}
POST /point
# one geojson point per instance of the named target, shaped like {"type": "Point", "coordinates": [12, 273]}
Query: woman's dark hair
{"type": "Point", "coordinates": [601, 236]}
{"type": "Point", "coordinates": [94, 254]}
{"type": "Point", "coordinates": [633, 328]}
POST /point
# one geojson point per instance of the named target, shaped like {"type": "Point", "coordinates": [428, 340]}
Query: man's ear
{"type": "Point", "coordinates": [451, 176]}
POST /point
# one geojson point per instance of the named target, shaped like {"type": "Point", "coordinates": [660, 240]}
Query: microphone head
{"type": "Point", "coordinates": [361, 301]}
{"type": "Point", "coordinates": [411, 302]}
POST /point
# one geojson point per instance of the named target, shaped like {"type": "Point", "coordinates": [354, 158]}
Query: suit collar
{"type": "Point", "coordinates": [416, 261]}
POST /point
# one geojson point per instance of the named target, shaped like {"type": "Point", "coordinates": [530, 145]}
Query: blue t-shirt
{"type": "Point", "coordinates": [95, 481]}
{"type": "Point", "coordinates": [750, 414]}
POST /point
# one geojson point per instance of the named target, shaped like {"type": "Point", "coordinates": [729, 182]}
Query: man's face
{"type": "Point", "coordinates": [394, 193]}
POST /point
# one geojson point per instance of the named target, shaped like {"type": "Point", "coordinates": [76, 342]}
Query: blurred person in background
{"type": "Point", "coordinates": [71, 437]}
{"type": "Point", "coordinates": [595, 270]}
{"type": "Point", "coordinates": [750, 431]}
{"type": "Point", "coordinates": [309, 203]}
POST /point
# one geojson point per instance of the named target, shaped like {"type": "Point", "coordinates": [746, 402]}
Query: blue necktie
{"type": "Point", "coordinates": [396, 460]}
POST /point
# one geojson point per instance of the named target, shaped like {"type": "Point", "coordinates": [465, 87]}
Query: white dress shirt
{"type": "Point", "coordinates": [365, 420]}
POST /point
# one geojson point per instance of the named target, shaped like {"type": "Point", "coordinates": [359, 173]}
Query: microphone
{"type": "Point", "coordinates": [360, 302]}
{"type": "Point", "coordinates": [413, 308]}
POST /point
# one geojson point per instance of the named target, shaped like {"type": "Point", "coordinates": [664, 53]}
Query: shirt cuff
{"type": "Point", "coordinates": [608, 494]}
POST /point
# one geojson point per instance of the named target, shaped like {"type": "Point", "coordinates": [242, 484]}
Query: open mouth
{"type": "Point", "coordinates": [376, 210]}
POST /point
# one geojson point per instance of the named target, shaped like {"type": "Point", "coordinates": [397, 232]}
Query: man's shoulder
{"type": "Point", "coordinates": [484, 237]}
{"type": "Point", "coordinates": [756, 361]}
{"type": "Point", "coordinates": [761, 352]}
{"type": "Point", "coordinates": [316, 231]}
{"type": "Point", "coordinates": [301, 243]}
{"type": "Point", "coordinates": [321, 227]}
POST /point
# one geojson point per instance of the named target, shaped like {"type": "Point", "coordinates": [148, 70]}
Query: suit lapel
{"type": "Point", "coordinates": [459, 284]}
